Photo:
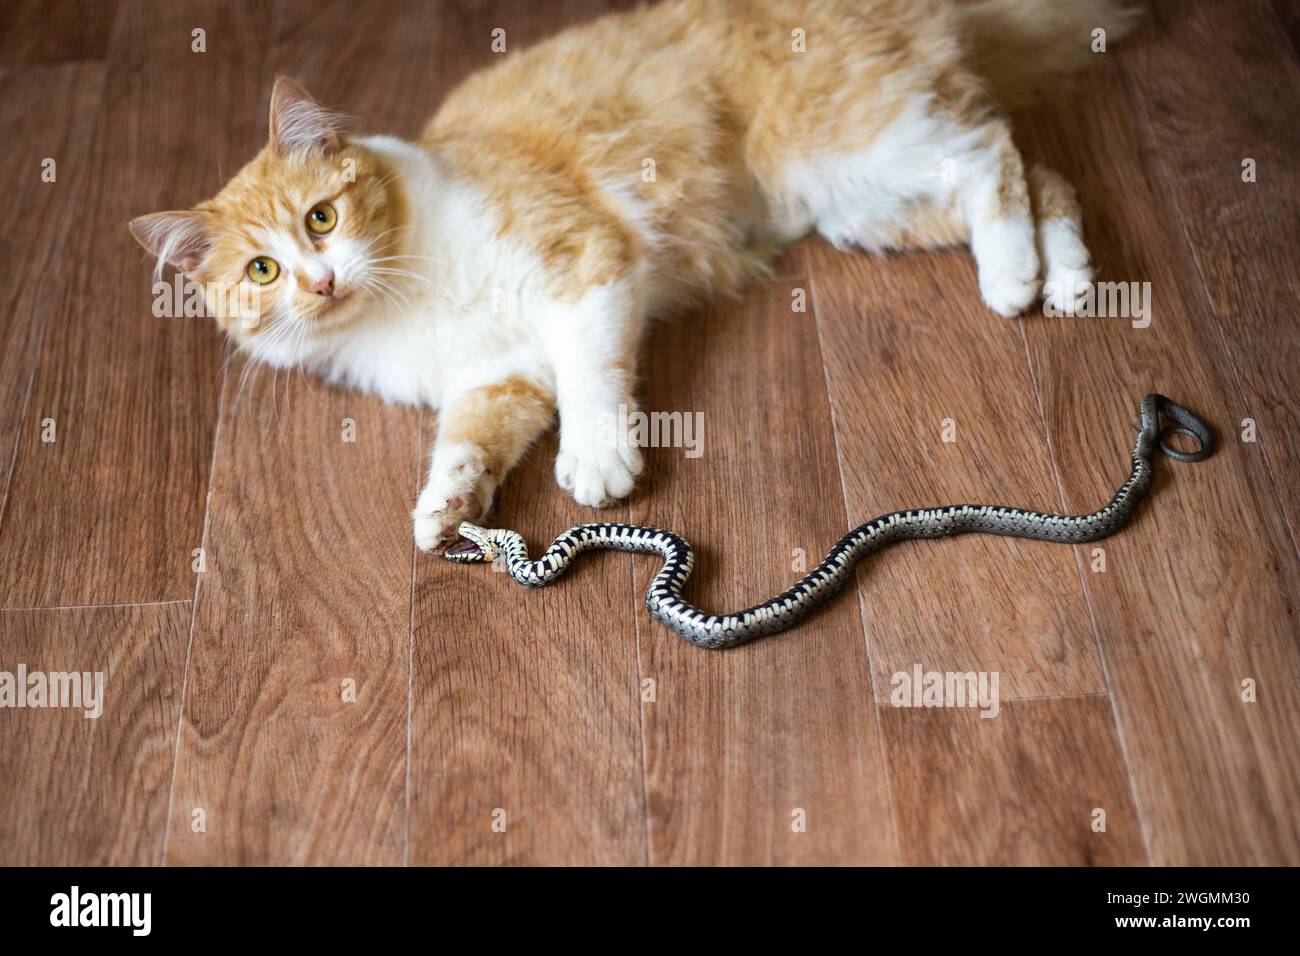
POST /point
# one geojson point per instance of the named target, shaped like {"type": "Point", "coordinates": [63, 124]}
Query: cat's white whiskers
{"type": "Point", "coordinates": [371, 286]}
{"type": "Point", "coordinates": [404, 274]}
{"type": "Point", "coordinates": [388, 290]}
{"type": "Point", "coordinates": [259, 348]}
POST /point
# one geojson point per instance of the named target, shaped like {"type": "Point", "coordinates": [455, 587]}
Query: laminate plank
{"type": "Point", "coordinates": [1019, 789]}
{"type": "Point", "coordinates": [468, 28]}
{"type": "Point", "coordinates": [525, 730]}
{"type": "Point", "coordinates": [1201, 126]}
{"type": "Point", "coordinates": [525, 704]}
{"type": "Point", "coordinates": [934, 405]}
{"type": "Point", "coordinates": [110, 511]}
{"type": "Point", "coordinates": [40, 214]}
{"type": "Point", "coordinates": [768, 753]}
{"type": "Point", "coordinates": [1199, 593]}
{"type": "Point", "coordinates": [41, 31]}
{"type": "Point", "coordinates": [294, 741]}
{"type": "Point", "coordinates": [85, 791]}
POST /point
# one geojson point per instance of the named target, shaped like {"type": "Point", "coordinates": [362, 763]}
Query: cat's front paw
{"type": "Point", "coordinates": [1009, 293]}
{"type": "Point", "coordinates": [598, 476]}
{"type": "Point", "coordinates": [458, 491]}
{"type": "Point", "coordinates": [435, 530]}
{"type": "Point", "coordinates": [1067, 273]}
{"type": "Point", "coordinates": [1008, 265]}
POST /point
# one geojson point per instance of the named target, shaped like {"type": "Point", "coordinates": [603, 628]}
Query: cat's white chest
{"type": "Point", "coordinates": [392, 356]}
{"type": "Point", "coordinates": [470, 307]}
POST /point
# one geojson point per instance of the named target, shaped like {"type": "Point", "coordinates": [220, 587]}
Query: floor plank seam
{"type": "Point", "coordinates": [194, 607]}
{"type": "Point", "coordinates": [896, 828]}
{"type": "Point", "coordinates": [410, 653]}
{"type": "Point", "coordinates": [887, 706]}
{"type": "Point", "coordinates": [641, 704]}
{"type": "Point", "coordinates": [1052, 462]}
{"type": "Point", "coordinates": [91, 607]}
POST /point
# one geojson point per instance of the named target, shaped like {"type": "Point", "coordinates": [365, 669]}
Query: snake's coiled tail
{"type": "Point", "coordinates": [714, 631]}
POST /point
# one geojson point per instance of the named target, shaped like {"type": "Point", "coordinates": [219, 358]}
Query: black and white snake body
{"type": "Point", "coordinates": [715, 631]}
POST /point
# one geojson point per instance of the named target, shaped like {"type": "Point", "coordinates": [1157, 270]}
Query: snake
{"type": "Point", "coordinates": [509, 551]}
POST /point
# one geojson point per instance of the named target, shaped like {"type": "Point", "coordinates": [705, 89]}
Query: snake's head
{"type": "Point", "coordinates": [475, 545]}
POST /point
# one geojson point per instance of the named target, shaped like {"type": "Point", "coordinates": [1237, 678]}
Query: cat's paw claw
{"type": "Point", "coordinates": [598, 477]}
{"type": "Point", "coordinates": [435, 528]}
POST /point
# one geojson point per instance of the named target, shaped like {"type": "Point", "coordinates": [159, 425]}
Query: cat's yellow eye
{"type": "Point", "coordinates": [322, 218]}
{"type": "Point", "coordinates": [263, 270]}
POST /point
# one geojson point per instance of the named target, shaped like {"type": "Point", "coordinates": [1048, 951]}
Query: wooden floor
{"type": "Point", "coordinates": [592, 734]}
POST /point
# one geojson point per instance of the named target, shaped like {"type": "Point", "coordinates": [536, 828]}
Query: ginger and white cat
{"type": "Point", "coordinates": [503, 266]}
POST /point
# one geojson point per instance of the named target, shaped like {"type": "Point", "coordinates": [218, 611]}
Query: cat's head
{"type": "Point", "coordinates": [299, 241]}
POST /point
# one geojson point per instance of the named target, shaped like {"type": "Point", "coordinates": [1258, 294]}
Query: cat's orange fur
{"type": "Point", "coordinates": [505, 265]}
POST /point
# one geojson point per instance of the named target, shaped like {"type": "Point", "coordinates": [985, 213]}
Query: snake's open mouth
{"type": "Point", "coordinates": [474, 545]}
{"type": "Point", "coordinates": [464, 548]}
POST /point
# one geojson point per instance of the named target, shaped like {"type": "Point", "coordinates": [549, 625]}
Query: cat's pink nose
{"type": "Point", "coordinates": [324, 285]}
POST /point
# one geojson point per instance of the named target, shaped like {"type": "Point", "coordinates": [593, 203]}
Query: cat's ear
{"type": "Point", "coordinates": [181, 237]}
{"type": "Point", "coordinates": [299, 123]}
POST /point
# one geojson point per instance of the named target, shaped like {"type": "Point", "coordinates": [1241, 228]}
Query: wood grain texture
{"type": "Point", "coordinates": [82, 791]}
{"type": "Point", "coordinates": [465, 28]}
{"type": "Point", "coordinates": [1201, 125]}
{"type": "Point", "coordinates": [524, 703]}
{"type": "Point", "coordinates": [110, 512]}
{"type": "Point", "coordinates": [299, 600]}
{"type": "Point", "coordinates": [1288, 11]}
{"type": "Point", "coordinates": [40, 214]}
{"type": "Point", "coordinates": [914, 358]}
{"type": "Point", "coordinates": [1200, 592]}
{"type": "Point", "coordinates": [1121, 689]}
{"type": "Point", "coordinates": [977, 791]}
{"type": "Point", "coordinates": [41, 31]}
{"type": "Point", "coordinates": [737, 742]}
{"type": "Point", "coordinates": [307, 587]}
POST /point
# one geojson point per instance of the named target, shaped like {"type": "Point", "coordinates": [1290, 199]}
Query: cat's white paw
{"type": "Point", "coordinates": [1066, 268]}
{"type": "Point", "coordinates": [435, 530]}
{"type": "Point", "coordinates": [1008, 264]}
{"type": "Point", "coordinates": [458, 490]}
{"type": "Point", "coordinates": [1009, 294]}
{"type": "Point", "coordinates": [600, 475]}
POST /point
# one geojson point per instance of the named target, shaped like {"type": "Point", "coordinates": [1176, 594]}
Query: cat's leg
{"type": "Point", "coordinates": [928, 224]}
{"type": "Point", "coordinates": [592, 347]}
{"type": "Point", "coordinates": [482, 433]}
{"type": "Point", "coordinates": [1058, 225]}
{"type": "Point", "coordinates": [1067, 271]}
{"type": "Point", "coordinates": [1002, 235]}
